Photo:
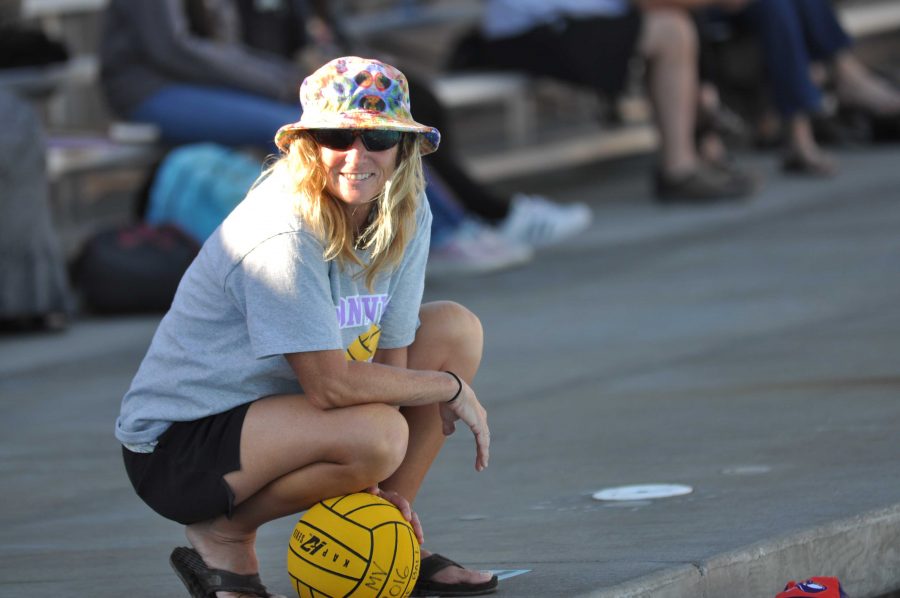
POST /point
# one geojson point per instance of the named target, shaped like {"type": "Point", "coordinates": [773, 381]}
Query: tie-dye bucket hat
{"type": "Point", "coordinates": [357, 93]}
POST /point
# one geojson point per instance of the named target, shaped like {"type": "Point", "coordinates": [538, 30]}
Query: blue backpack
{"type": "Point", "coordinates": [198, 185]}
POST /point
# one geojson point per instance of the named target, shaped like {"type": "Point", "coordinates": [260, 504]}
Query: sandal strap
{"type": "Point", "coordinates": [433, 563]}
{"type": "Point", "coordinates": [217, 580]}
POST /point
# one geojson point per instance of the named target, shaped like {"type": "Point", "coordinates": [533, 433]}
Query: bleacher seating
{"type": "Point", "coordinates": [516, 96]}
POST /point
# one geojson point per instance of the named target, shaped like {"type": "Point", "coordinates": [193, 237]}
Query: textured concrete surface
{"type": "Point", "coordinates": [749, 351]}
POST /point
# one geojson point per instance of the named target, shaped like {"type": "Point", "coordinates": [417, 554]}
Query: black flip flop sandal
{"type": "Point", "coordinates": [796, 164]}
{"type": "Point", "coordinates": [203, 582]}
{"type": "Point", "coordinates": [434, 563]}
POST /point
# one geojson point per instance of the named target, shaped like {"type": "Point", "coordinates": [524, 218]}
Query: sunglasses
{"type": "Point", "coordinates": [374, 140]}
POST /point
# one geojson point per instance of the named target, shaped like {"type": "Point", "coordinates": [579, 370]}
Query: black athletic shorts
{"type": "Point", "coordinates": [182, 479]}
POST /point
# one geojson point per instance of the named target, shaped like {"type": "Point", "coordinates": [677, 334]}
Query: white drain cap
{"type": "Point", "coordinates": [642, 492]}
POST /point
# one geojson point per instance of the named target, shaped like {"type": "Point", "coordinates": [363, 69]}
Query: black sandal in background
{"type": "Point", "coordinates": [795, 163]}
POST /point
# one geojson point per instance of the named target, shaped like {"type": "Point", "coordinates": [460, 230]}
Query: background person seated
{"type": "Point", "coordinates": [590, 43]}
{"type": "Point", "coordinates": [34, 285]}
{"type": "Point", "coordinates": [227, 73]}
{"type": "Point", "coordinates": [793, 35]}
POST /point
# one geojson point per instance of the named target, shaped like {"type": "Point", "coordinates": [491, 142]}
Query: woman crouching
{"type": "Point", "coordinates": [297, 361]}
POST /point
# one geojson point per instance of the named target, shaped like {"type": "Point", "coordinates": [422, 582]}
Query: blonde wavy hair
{"type": "Point", "coordinates": [393, 223]}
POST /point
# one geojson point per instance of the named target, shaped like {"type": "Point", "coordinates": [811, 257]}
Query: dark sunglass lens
{"type": "Point", "coordinates": [342, 139]}
{"type": "Point", "coordinates": [378, 140]}
{"type": "Point", "coordinates": [337, 139]}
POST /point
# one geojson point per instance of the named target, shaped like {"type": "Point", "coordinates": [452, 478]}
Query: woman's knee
{"type": "Point", "coordinates": [380, 444]}
{"type": "Point", "coordinates": [669, 32]}
{"type": "Point", "coordinates": [453, 323]}
{"type": "Point", "coordinates": [287, 429]}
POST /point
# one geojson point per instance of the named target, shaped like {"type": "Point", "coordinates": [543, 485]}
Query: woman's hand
{"type": "Point", "coordinates": [405, 509]}
{"type": "Point", "coordinates": [467, 408]}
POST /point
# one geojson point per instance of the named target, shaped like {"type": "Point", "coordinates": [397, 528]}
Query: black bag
{"type": "Point", "coordinates": [133, 268]}
{"type": "Point", "coordinates": [22, 47]}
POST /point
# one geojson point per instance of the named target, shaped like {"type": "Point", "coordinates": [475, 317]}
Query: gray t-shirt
{"type": "Point", "coordinates": [260, 288]}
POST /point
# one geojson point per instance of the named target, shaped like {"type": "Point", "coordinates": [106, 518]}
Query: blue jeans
{"type": "Point", "coordinates": [792, 34]}
{"type": "Point", "coordinates": [194, 113]}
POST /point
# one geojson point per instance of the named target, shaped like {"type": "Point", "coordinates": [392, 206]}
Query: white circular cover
{"type": "Point", "coordinates": [642, 492]}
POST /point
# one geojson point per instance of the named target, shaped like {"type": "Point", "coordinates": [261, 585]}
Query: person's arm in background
{"type": "Point", "coordinates": [334, 40]}
{"type": "Point", "coordinates": [333, 33]}
{"type": "Point", "coordinates": [164, 33]}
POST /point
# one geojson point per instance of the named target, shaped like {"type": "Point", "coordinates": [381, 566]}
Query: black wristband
{"type": "Point", "coordinates": [458, 390]}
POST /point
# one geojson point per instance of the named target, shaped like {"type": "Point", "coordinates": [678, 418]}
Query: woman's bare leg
{"type": "Point", "coordinates": [450, 338]}
{"type": "Point", "coordinates": [802, 145]}
{"type": "Point", "coordinates": [669, 44]}
{"type": "Point", "coordinates": [292, 455]}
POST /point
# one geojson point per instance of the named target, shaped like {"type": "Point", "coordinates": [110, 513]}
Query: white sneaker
{"type": "Point", "coordinates": [474, 248]}
{"type": "Point", "coordinates": [539, 222]}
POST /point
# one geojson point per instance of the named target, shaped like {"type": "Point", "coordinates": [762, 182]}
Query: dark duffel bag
{"type": "Point", "coordinates": [133, 268]}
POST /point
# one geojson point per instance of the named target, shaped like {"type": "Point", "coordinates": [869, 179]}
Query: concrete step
{"type": "Point", "coordinates": [553, 155]}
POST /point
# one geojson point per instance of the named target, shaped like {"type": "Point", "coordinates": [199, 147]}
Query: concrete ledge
{"type": "Point", "coordinates": [74, 156]}
{"type": "Point", "coordinates": [51, 8]}
{"type": "Point", "coordinates": [510, 89]}
{"type": "Point", "coordinates": [542, 157]}
{"type": "Point", "coordinates": [870, 19]}
{"type": "Point", "coordinates": [862, 551]}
